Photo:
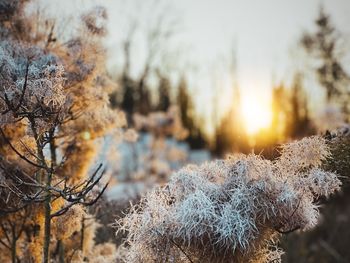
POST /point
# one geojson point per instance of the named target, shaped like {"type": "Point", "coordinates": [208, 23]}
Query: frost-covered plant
{"type": "Point", "coordinates": [162, 123]}
{"type": "Point", "coordinates": [29, 79]}
{"type": "Point", "coordinates": [95, 20]}
{"type": "Point", "coordinates": [157, 149]}
{"type": "Point", "coordinates": [231, 210]}
{"type": "Point", "coordinates": [148, 161]}
{"type": "Point", "coordinates": [54, 105]}
{"type": "Point", "coordinates": [329, 118]}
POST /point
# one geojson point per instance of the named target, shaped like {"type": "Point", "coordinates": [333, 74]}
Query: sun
{"type": "Point", "coordinates": [256, 114]}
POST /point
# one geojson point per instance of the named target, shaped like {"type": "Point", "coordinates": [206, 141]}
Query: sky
{"type": "Point", "coordinates": [263, 33]}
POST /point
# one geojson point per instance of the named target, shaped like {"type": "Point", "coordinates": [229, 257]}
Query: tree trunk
{"type": "Point", "coordinates": [13, 246]}
{"type": "Point", "coordinates": [60, 251]}
{"type": "Point", "coordinates": [82, 234]}
{"type": "Point", "coordinates": [47, 229]}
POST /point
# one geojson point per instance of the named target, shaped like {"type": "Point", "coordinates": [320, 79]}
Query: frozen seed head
{"type": "Point", "coordinates": [231, 209]}
{"type": "Point", "coordinates": [308, 152]}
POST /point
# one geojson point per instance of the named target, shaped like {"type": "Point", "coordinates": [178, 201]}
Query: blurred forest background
{"type": "Point", "coordinates": [177, 120]}
{"type": "Point", "coordinates": [313, 97]}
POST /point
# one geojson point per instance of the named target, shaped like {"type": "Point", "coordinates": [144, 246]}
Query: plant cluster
{"type": "Point", "coordinates": [54, 105]}
{"type": "Point", "coordinates": [231, 210]}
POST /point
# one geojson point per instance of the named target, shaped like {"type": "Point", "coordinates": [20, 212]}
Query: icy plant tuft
{"type": "Point", "coordinates": [230, 210]}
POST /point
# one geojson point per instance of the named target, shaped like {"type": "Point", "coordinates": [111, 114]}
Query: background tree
{"type": "Point", "coordinates": [324, 46]}
{"type": "Point", "coordinates": [299, 119]}
{"type": "Point", "coordinates": [152, 31]}
{"type": "Point", "coordinates": [230, 135]}
{"type": "Point", "coordinates": [185, 104]}
{"type": "Point", "coordinates": [164, 87]}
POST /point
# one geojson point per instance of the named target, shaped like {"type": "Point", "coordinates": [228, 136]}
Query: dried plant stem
{"type": "Point", "coordinates": [47, 222]}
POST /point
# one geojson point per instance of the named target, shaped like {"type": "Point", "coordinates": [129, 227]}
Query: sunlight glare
{"type": "Point", "coordinates": [257, 115]}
